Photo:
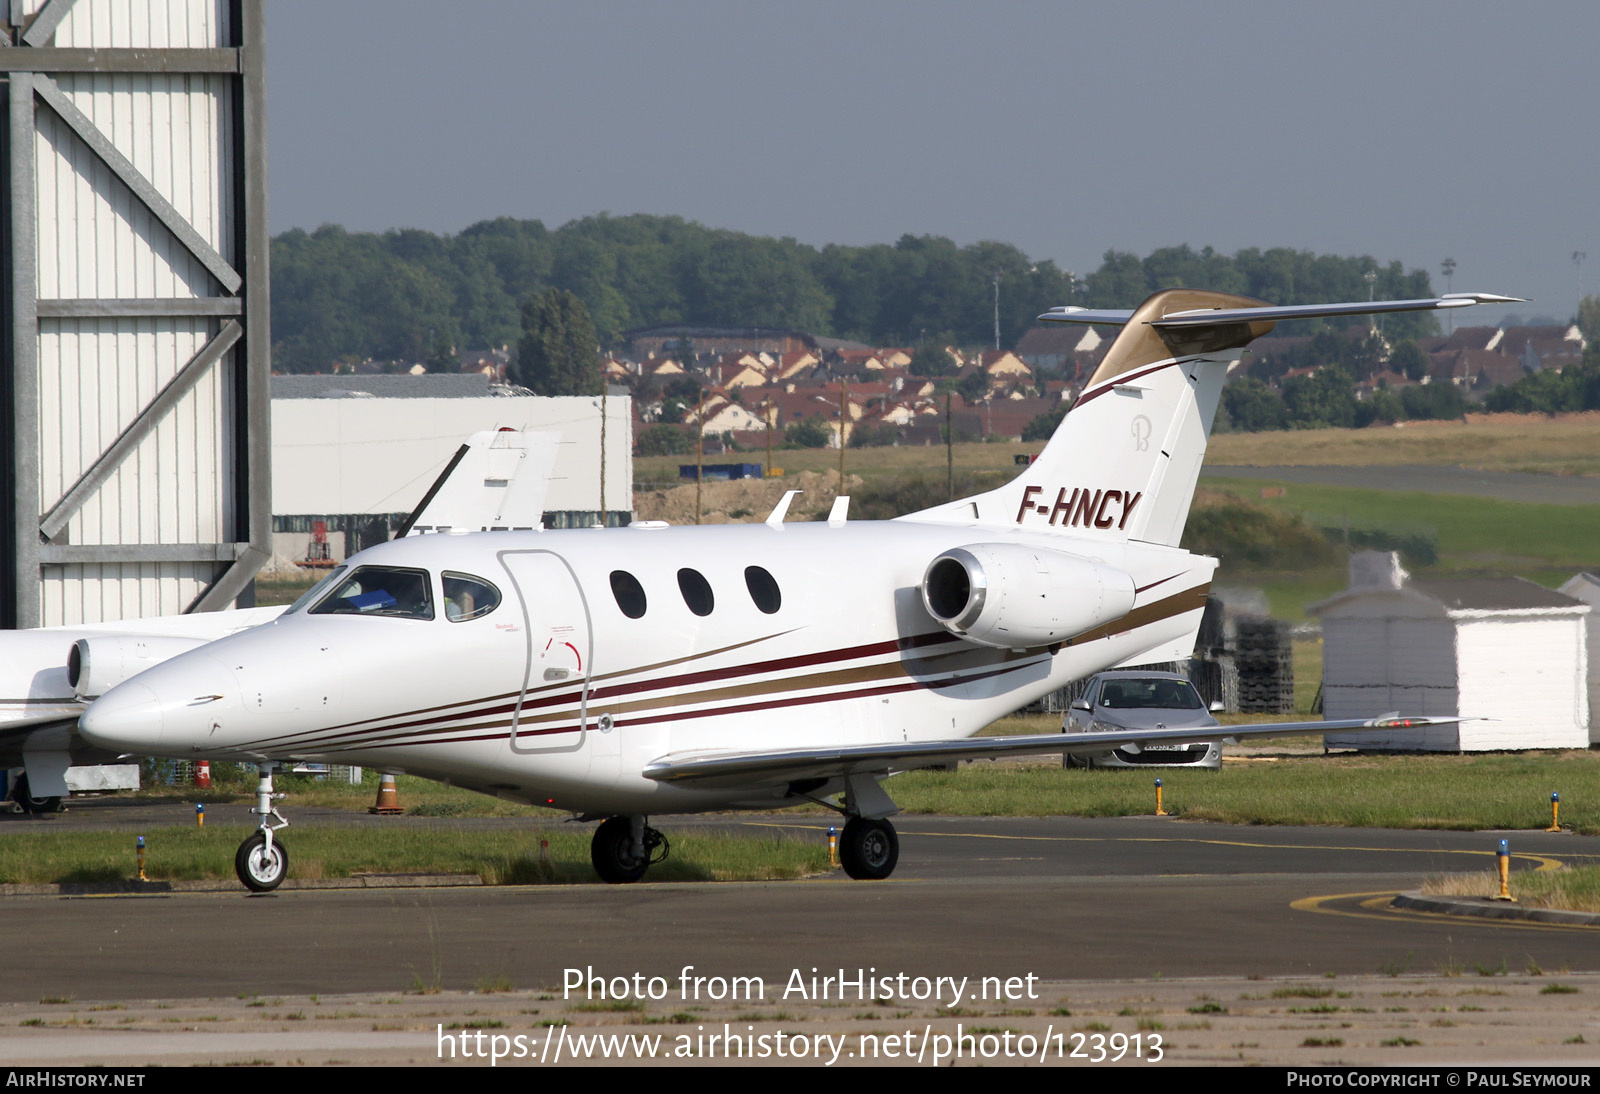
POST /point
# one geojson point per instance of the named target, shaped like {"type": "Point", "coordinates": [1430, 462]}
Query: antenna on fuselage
{"type": "Point", "coordinates": [782, 508]}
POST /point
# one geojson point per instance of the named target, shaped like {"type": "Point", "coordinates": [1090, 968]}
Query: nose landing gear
{"type": "Point", "coordinates": [262, 862]}
{"type": "Point", "coordinates": [623, 848]}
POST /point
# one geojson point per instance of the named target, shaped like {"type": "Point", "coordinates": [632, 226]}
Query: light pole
{"type": "Point", "coordinates": [996, 275]}
{"type": "Point", "coordinates": [1577, 265]}
{"type": "Point", "coordinates": [1448, 266]}
{"type": "Point", "coordinates": [1371, 278]}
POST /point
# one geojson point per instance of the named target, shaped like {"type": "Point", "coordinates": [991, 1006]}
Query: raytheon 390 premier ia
{"type": "Point", "coordinates": [645, 670]}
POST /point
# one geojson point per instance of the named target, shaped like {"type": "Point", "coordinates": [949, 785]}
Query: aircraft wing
{"type": "Point", "coordinates": [770, 768]}
{"type": "Point", "coordinates": [1273, 313]}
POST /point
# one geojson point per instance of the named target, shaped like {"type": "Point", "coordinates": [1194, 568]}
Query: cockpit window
{"type": "Point", "coordinates": [380, 590]}
{"type": "Point", "coordinates": [313, 594]}
{"type": "Point", "coordinates": [467, 597]}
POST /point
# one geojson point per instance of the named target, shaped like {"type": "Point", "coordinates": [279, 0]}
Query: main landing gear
{"type": "Point", "coordinates": [22, 794]}
{"type": "Point", "coordinates": [868, 849]}
{"type": "Point", "coordinates": [261, 861]}
{"type": "Point", "coordinates": [625, 847]}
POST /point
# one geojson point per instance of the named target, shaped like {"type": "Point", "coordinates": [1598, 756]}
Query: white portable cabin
{"type": "Point", "coordinates": [1586, 587]}
{"type": "Point", "coordinates": [1507, 653]}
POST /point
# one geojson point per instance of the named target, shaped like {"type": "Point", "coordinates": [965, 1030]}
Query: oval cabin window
{"type": "Point", "coordinates": [696, 591]}
{"type": "Point", "coordinates": [629, 593]}
{"type": "Point", "coordinates": [763, 589]}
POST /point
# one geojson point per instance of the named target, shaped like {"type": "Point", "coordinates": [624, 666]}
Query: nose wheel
{"type": "Point", "coordinates": [262, 862]}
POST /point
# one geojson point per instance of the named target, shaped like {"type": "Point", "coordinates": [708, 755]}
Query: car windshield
{"type": "Point", "coordinates": [1160, 694]}
{"type": "Point", "coordinates": [380, 590]}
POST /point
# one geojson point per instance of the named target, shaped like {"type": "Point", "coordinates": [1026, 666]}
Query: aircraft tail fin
{"type": "Point", "coordinates": [1124, 461]}
{"type": "Point", "coordinates": [498, 479]}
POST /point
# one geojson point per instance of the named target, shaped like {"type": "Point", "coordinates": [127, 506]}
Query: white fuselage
{"type": "Point", "coordinates": [557, 697]}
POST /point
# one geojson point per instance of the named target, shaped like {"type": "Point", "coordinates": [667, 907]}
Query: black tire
{"type": "Point", "coordinates": [261, 874]}
{"type": "Point", "coordinates": [868, 849]}
{"type": "Point", "coordinates": [613, 853]}
{"type": "Point", "coordinates": [23, 796]}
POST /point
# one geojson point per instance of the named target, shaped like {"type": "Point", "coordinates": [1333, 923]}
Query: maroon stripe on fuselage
{"type": "Point", "coordinates": [745, 708]}
{"type": "Point", "coordinates": [871, 649]}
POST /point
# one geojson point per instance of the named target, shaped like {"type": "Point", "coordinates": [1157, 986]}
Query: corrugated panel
{"type": "Point", "coordinates": [148, 24]}
{"type": "Point", "coordinates": [1527, 678]}
{"type": "Point", "coordinates": [97, 240]}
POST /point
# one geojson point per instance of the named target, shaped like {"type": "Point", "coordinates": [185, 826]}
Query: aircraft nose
{"type": "Point", "coordinates": [125, 719]}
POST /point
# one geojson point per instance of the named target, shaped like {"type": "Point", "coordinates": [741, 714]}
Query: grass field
{"type": "Point", "coordinates": [1567, 444]}
{"type": "Point", "coordinates": [498, 857]}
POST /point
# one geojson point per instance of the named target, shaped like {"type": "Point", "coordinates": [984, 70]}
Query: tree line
{"type": "Point", "coordinates": [419, 296]}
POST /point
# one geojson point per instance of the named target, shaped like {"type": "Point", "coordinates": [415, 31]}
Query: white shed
{"type": "Point", "coordinates": [1586, 587]}
{"type": "Point", "coordinates": [1505, 652]}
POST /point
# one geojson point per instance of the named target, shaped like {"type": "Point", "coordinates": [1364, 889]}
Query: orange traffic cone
{"type": "Point", "coordinates": [388, 801]}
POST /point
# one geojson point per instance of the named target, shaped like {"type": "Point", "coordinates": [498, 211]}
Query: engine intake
{"type": "Point", "coordinates": [96, 665]}
{"type": "Point", "coordinates": [1017, 597]}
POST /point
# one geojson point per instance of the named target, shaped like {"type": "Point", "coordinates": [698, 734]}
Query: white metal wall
{"type": "Point", "coordinates": [1373, 664]}
{"type": "Point", "coordinates": [1526, 677]}
{"type": "Point", "coordinates": [343, 456]}
{"type": "Point", "coordinates": [97, 241]}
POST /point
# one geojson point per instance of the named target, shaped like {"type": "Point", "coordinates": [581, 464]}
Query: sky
{"type": "Point", "coordinates": [1406, 131]}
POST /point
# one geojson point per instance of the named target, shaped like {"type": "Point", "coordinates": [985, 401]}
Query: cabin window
{"type": "Point", "coordinates": [313, 594]}
{"type": "Point", "coordinates": [467, 597]}
{"type": "Point", "coordinates": [696, 591]}
{"type": "Point", "coordinates": [629, 593]}
{"type": "Point", "coordinates": [380, 590]}
{"type": "Point", "coordinates": [763, 589]}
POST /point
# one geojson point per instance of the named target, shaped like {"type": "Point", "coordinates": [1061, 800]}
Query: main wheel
{"type": "Point", "coordinates": [22, 794]}
{"type": "Point", "coordinates": [615, 858]}
{"type": "Point", "coordinates": [868, 849]}
{"type": "Point", "coordinates": [261, 872]}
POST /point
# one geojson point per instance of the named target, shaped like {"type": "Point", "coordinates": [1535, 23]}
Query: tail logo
{"type": "Point", "coordinates": [1082, 508]}
{"type": "Point", "coordinates": [1141, 433]}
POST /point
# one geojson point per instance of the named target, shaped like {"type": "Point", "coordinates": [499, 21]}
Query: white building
{"type": "Point", "coordinates": [1586, 587]}
{"type": "Point", "coordinates": [1504, 652]}
{"type": "Point", "coordinates": [361, 463]}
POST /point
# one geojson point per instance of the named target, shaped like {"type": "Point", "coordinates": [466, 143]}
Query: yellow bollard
{"type": "Point", "coordinates": [1505, 872]}
{"type": "Point", "coordinates": [1555, 812]}
{"type": "Point", "coordinates": [200, 815]}
{"type": "Point", "coordinates": [1160, 812]}
{"type": "Point", "coordinates": [833, 847]}
{"type": "Point", "coordinates": [141, 860]}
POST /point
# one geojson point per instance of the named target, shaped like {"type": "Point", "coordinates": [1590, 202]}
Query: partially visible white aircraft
{"type": "Point", "coordinates": [645, 670]}
{"type": "Point", "coordinates": [496, 480]}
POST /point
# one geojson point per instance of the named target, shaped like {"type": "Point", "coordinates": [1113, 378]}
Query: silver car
{"type": "Point", "coordinates": [1118, 701]}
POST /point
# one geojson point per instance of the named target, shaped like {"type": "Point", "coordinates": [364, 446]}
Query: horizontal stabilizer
{"type": "Point", "coordinates": [770, 768]}
{"type": "Point", "coordinates": [1273, 313]}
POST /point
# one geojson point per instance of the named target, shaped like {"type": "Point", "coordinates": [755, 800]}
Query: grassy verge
{"type": "Point", "coordinates": [498, 857]}
{"type": "Point", "coordinates": [1466, 793]}
{"type": "Point", "coordinates": [1573, 888]}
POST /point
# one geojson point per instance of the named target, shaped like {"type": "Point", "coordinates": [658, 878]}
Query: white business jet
{"type": "Point", "coordinates": [646, 670]}
{"type": "Point", "coordinates": [497, 479]}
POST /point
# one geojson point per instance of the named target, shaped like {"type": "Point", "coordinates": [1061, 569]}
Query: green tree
{"type": "Point", "coordinates": [558, 354]}
{"type": "Point", "coordinates": [1438, 400]}
{"type": "Point", "coordinates": [1252, 406]}
{"type": "Point", "coordinates": [931, 359]}
{"type": "Point", "coordinates": [813, 432]}
{"type": "Point", "coordinates": [1044, 426]}
{"type": "Point", "coordinates": [1325, 398]}
{"type": "Point", "coordinates": [663, 440]}
{"type": "Point", "coordinates": [1409, 360]}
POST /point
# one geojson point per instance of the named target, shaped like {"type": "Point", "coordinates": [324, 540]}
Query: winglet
{"type": "Point", "coordinates": [782, 508]}
{"type": "Point", "coordinates": [840, 511]}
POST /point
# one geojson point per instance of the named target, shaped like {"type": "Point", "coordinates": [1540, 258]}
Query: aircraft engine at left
{"type": "Point", "coordinates": [619, 673]}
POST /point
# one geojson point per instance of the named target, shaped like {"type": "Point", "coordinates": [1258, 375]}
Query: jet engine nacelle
{"type": "Point", "coordinates": [1016, 597]}
{"type": "Point", "coordinates": [96, 665]}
